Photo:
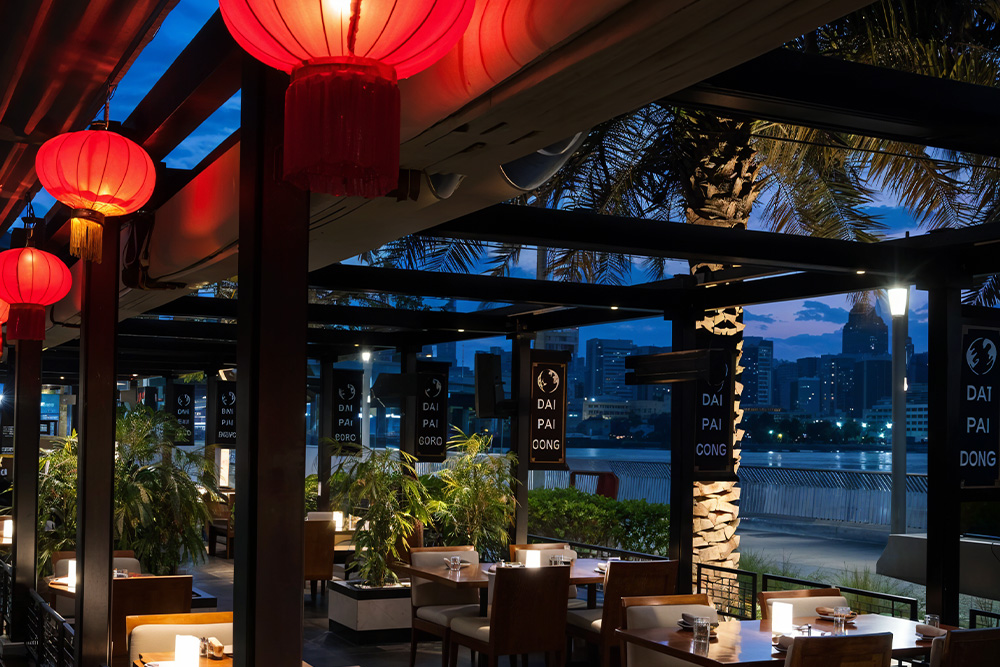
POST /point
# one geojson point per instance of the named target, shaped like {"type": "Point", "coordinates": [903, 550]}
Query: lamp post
{"type": "Point", "coordinates": [898, 307]}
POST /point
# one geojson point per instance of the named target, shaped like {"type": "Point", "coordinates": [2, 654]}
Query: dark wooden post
{"type": "Point", "coordinates": [27, 414]}
{"type": "Point", "coordinates": [944, 342]}
{"type": "Point", "coordinates": [326, 403]}
{"type": "Point", "coordinates": [408, 429]}
{"type": "Point", "coordinates": [96, 453]}
{"type": "Point", "coordinates": [271, 376]}
{"type": "Point", "coordinates": [520, 433]}
{"type": "Point", "coordinates": [683, 398]}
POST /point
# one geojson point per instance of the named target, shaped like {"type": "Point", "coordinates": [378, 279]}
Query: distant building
{"type": "Point", "coordinates": [605, 368]}
{"type": "Point", "coordinates": [448, 352]}
{"type": "Point", "coordinates": [651, 392]}
{"type": "Point", "coordinates": [566, 340]}
{"type": "Point", "coordinates": [808, 391]}
{"type": "Point", "coordinates": [807, 367]}
{"type": "Point", "coordinates": [758, 355]}
{"type": "Point", "coordinates": [865, 334]}
{"type": "Point", "coordinates": [916, 370]}
{"type": "Point", "coordinates": [836, 373]}
{"type": "Point", "coordinates": [783, 375]}
{"type": "Point", "coordinates": [606, 407]}
{"type": "Point", "coordinates": [872, 382]}
{"type": "Point", "coordinates": [647, 409]}
{"type": "Point", "coordinates": [880, 414]}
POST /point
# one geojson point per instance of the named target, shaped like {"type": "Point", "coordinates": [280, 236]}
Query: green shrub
{"type": "Point", "coordinates": [574, 515]}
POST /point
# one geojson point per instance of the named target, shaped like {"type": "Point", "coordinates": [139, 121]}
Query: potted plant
{"type": "Point", "coordinates": [476, 499]}
{"type": "Point", "coordinates": [381, 488]}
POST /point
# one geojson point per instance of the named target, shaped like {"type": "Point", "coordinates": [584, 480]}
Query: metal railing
{"type": "Point", "coordinates": [584, 550]}
{"type": "Point", "coordinates": [983, 619]}
{"type": "Point", "coordinates": [50, 637]}
{"type": "Point", "coordinates": [862, 601]}
{"type": "Point", "coordinates": [6, 587]}
{"type": "Point", "coordinates": [734, 592]}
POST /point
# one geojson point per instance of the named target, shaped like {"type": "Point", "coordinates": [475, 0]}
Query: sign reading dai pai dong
{"type": "Point", "coordinates": [221, 426]}
{"type": "Point", "coordinates": [431, 428]}
{"type": "Point", "coordinates": [979, 447]}
{"type": "Point", "coordinates": [346, 406]}
{"type": "Point", "coordinates": [714, 413]}
{"type": "Point", "coordinates": [547, 423]}
{"type": "Point", "coordinates": [180, 403]}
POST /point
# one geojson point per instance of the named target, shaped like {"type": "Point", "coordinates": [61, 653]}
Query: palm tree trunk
{"type": "Point", "coordinates": [722, 187]}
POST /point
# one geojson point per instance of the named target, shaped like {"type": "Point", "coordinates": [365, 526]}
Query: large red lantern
{"type": "Point", "coordinates": [342, 107]}
{"type": "Point", "coordinates": [31, 279]}
{"type": "Point", "coordinates": [96, 173]}
{"type": "Point", "coordinates": [4, 316]}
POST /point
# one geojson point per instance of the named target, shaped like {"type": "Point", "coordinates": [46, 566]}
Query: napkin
{"type": "Point", "coordinates": [689, 619]}
{"type": "Point", "coordinates": [930, 631]}
{"type": "Point", "coordinates": [785, 641]}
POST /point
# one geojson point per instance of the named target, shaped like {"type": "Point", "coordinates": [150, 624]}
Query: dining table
{"type": "Point", "coordinates": [168, 656]}
{"type": "Point", "coordinates": [750, 643]}
{"type": "Point", "coordinates": [583, 572]}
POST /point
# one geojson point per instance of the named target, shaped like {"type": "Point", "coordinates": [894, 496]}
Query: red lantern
{"type": "Point", "coordinates": [4, 315]}
{"type": "Point", "coordinates": [31, 279]}
{"type": "Point", "coordinates": [96, 173]}
{"type": "Point", "coordinates": [342, 107]}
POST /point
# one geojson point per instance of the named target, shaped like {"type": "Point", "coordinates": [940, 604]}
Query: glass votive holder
{"type": "Point", "coordinates": [932, 620]}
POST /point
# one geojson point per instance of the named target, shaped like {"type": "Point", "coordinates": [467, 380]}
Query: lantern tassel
{"type": "Point", "coordinates": [27, 322]}
{"type": "Point", "coordinates": [86, 235]}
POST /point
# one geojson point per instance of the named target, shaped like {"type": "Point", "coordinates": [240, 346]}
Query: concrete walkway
{"type": "Point", "coordinates": [809, 554]}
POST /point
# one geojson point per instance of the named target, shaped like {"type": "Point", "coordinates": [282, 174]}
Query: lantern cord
{"type": "Point", "coordinates": [352, 28]}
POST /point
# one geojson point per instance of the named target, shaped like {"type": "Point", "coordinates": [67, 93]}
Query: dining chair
{"type": "Point", "coordinates": [659, 611]}
{"type": "Point", "coordinates": [528, 615]}
{"type": "Point", "coordinates": [122, 559]}
{"type": "Point", "coordinates": [144, 595]}
{"type": "Point", "coordinates": [519, 553]}
{"type": "Point", "coordinates": [155, 633]}
{"type": "Point", "coordinates": [841, 651]}
{"type": "Point", "coordinates": [804, 601]}
{"type": "Point", "coordinates": [960, 648]}
{"type": "Point", "coordinates": [434, 606]}
{"type": "Point", "coordinates": [319, 545]}
{"type": "Point", "coordinates": [219, 526]}
{"type": "Point", "coordinates": [623, 579]}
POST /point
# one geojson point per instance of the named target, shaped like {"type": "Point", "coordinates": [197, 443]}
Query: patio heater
{"type": "Point", "coordinates": [898, 306]}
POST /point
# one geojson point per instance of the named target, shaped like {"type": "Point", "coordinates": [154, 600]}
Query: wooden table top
{"type": "Point", "coordinates": [168, 656]}
{"type": "Point", "coordinates": [583, 571]}
{"type": "Point", "coordinates": [749, 642]}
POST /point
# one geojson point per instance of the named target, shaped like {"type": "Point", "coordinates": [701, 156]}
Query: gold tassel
{"type": "Point", "coordinates": [86, 235]}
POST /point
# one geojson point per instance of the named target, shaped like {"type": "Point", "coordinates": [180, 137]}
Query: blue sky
{"type": "Point", "coordinates": [799, 328]}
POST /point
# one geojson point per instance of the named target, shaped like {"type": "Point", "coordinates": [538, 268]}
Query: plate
{"type": "Point", "coordinates": [850, 619]}
{"type": "Point", "coordinates": [779, 648]}
{"type": "Point", "coordinates": [927, 638]}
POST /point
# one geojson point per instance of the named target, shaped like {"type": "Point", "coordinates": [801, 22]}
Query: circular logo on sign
{"type": "Point", "coordinates": [717, 384]}
{"type": "Point", "coordinates": [548, 381]}
{"type": "Point", "coordinates": [229, 399]}
{"type": "Point", "coordinates": [347, 392]}
{"type": "Point", "coordinates": [183, 400]}
{"type": "Point", "coordinates": [433, 389]}
{"type": "Point", "coordinates": [981, 356]}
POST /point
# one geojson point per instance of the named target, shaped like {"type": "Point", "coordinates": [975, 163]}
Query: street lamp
{"type": "Point", "coordinates": [898, 305]}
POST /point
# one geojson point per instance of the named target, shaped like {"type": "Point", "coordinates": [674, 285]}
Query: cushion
{"type": "Point", "coordinates": [476, 627]}
{"type": "Point", "coordinates": [807, 606]}
{"type": "Point", "coordinates": [424, 592]}
{"type": "Point", "coordinates": [588, 619]}
{"type": "Point", "coordinates": [319, 516]}
{"type": "Point", "coordinates": [666, 615]}
{"type": "Point", "coordinates": [576, 603]}
{"type": "Point", "coordinates": [155, 638]}
{"type": "Point", "coordinates": [443, 614]}
{"type": "Point", "coordinates": [521, 556]}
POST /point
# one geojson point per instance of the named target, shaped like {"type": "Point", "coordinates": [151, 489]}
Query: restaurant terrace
{"type": "Point", "coordinates": [245, 287]}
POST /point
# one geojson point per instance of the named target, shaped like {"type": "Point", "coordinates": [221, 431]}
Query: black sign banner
{"type": "Point", "coordinates": [346, 405]}
{"type": "Point", "coordinates": [715, 417]}
{"type": "Point", "coordinates": [7, 423]}
{"type": "Point", "coordinates": [221, 418]}
{"type": "Point", "coordinates": [547, 418]}
{"type": "Point", "coordinates": [180, 403]}
{"type": "Point", "coordinates": [979, 412]}
{"type": "Point", "coordinates": [431, 427]}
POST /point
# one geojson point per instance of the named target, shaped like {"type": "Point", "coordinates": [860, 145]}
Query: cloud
{"type": "Point", "coordinates": [817, 311]}
{"type": "Point", "coordinates": [758, 317]}
{"type": "Point", "coordinates": [807, 345]}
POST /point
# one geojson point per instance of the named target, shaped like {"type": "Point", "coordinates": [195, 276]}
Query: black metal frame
{"type": "Point", "coordinates": [976, 614]}
{"type": "Point", "coordinates": [724, 594]}
{"type": "Point", "coordinates": [860, 600]}
{"type": "Point", "coordinates": [585, 550]}
{"type": "Point", "coordinates": [50, 639]}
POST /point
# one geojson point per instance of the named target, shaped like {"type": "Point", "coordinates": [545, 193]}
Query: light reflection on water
{"type": "Point", "coordinates": [876, 461]}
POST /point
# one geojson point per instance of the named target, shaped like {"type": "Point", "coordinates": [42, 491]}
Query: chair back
{"type": "Point", "coordinates": [539, 546]}
{"type": "Point", "coordinates": [633, 579]}
{"type": "Point", "coordinates": [60, 561]}
{"type": "Point", "coordinates": [155, 633]}
{"type": "Point", "coordinates": [804, 602]}
{"type": "Point", "coordinates": [218, 510]}
{"type": "Point", "coordinates": [143, 595]}
{"type": "Point", "coordinates": [318, 548]}
{"type": "Point", "coordinates": [971, 647]}
{"type": "Point", "coordinates": [319, 516]}
{"type": "Point", "coordinates": [659, 611]}
{"type": "Point", "coordinates": [843, 651]}
{"type": "Point", "coordinates": [424, 592]}
{"type": "Point", "coordinates": [529, 610]}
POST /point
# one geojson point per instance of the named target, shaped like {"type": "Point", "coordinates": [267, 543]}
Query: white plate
{"type": "Point", "coordinates": [779, 649]}
{"type": "Point", "coordinates": [161, 663]}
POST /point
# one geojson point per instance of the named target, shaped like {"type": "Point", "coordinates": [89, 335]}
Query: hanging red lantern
{"type": "Point", "coordinates": [4, 316]}
{"type": "Point", "coordinates": [96, 173]}
{"type": "Point", "coordinates": [342, 107]}
{"type": "Point", "coordinates": [30, 280]}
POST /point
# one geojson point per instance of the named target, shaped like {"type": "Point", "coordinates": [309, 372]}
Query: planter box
{"type": "Point", "coordinates": [369, 616]}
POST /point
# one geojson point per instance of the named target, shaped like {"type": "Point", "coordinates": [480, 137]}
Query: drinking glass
{"type": "Point", "coordinates": [932, 620]}
{"type": "Point", "coordinates": [702, 630]}
{"type": "Point", "coordinates": [556, 559]}
{"type": "Point", "coordinates": [454, 563]}
{"type": "Point", "coordinates": [840, 615]}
